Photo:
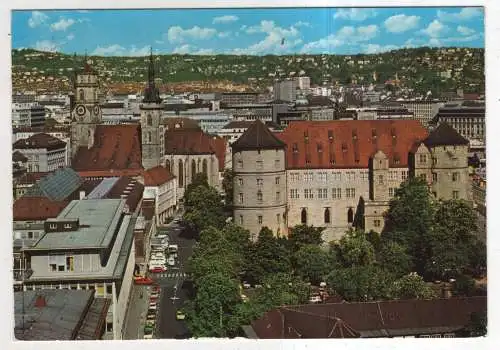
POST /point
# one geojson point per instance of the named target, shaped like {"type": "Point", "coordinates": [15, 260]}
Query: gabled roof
{"type": "Point", "coordinates": [191, 141]}
{"type": "Point", "coordinates": [369, 319]}
{"type": "Point", "coordinates": [157, 176]}
{"type": "Point", "coordinates": [129, 189]}
{"type": "Point", "coordinates": [115, 147]}
{"type": "Point", "coordinates": [257, 136]}
{"type": "Point", "coordinates": [40, 140]}
{"type": "Point", "coordinates": [349, 143]}
{"type": "Point", "coordinates": [56, 186]}
{"type": "Point", "coordinates": [445, 135]}
{"type": "Point", "coordinates": [37, 208]}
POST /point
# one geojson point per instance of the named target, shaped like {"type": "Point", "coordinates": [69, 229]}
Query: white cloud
{"type": "Point", "coordinates": [401, 23]}
{"type": "Point", "coordinates": [347, 35]}
{"type": "Point", "coordinates": [435, 29]}
{"type": "Point", "coordinates": [464, 14]}
{"type": "Point", "coordinates": [70, 36]}
{"type": "Point", "coordinates": [277, 40]}
{"type": "Point", "coordinates": [302, 24]}
{"type": "Point", "coordinates": [180, 35]}
{"type": "Point", "coordinates": [118, 50]}
{"type": "Point", "coordinates": [376, 48]}
{"type": "Point", "coordinates": [355, 14]}
{"type": "Point", "coordinates": [46, 45]}
{"type": "Point", "coordinates": [184, 49]}
{"type": "Point", "coordinates": [465, 30]}
{"type": "Point", "coordinates": [225, 19]}
{"type": "Point", "coordinates": [204, 52]}
{"type": "Point", "coordinates": [224, 34]}
{"type": "Point", "coordinates": [37, 18]}
{"type": "Point", "coordinates": [62, 24]}
{"type": "Point", "coordinates": [191, 50]}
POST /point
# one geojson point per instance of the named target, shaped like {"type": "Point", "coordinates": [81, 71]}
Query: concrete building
{"type": "Point", "coordinates": [28, 114]}
{"type": "Point", "coordinates": [303, 83]}
{"type": "Point", "coordinates": [285, 90]}
{"type": "Point", "coordinates": [161, 186]}
{"type": "Point", "coordinates": [58, 314]}
{"type": "Point", "coordinates": [469, 121]}
{"type": "Point", "coordinates": [260, 188]}
{"type": "Point", "coordinates": [239, 98]}
{"type": "Point", "coordinates": [44, 152]}
{"type": "Point", "coordinates": [88, 246]}
{"type": "Point", "coordinates": [424, 111]}
{"type": "Point", "coordinates": [342, 174]}
{"type": "Point", "coordinates": [209, 121]}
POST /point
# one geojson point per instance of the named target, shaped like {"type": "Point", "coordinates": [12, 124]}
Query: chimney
{"type": "Point", "coordinates": [40, 301]}
{"type": "Point", "coordinates": [82, 194]}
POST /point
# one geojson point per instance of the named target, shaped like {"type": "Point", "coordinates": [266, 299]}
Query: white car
{"type": "Point", "coordinates": [161, 236]}
{"type": "Point", "coordinates": [315, 299]}
{"type": "Point", "coordinates": [171, 261]}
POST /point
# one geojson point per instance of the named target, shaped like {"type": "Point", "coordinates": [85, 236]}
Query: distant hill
{"type": "Point", "coordinates": [422, 69]}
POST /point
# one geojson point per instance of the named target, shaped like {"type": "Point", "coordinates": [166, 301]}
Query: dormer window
{"type": "Point", "coordinates": [306, 137]}
{"type": "Point", "coordinates": [374, 133]}
{"type": "Point", "coordinates": [320, 147]}
{"type": "Point", "coordinates": [330, 135]}
{"type": "Point", "coordinates": [295, 148]}
{"type": "Point", "coordinates": [344, 147]}
{"type": "Point", "coordinates": [393, 133]}
{"type": "Point", "coordinates": [308, 159]}
{"type": "Point", "coordinates": [354, 135]}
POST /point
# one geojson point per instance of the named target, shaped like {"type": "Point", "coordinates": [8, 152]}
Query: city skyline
{"type": "Point", "coordinates": [247, 31]}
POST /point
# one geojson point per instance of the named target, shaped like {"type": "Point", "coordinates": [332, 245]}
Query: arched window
{"type": "Point", "coordinates": [149, 137]}
{"type": "Point", "coordinates": [193, 169]}
{"type": "Point", "coordinates": [180, 174]}
{"type": "Point", "coordinates": [149, 120]}
{"type": "Point", "coordinates": [167, 165]}
{"type": "Point", "coordinates": [81, 95]}
{"type": "Point", "coordinates": [327, 215]}
{"type": "Point", "coordinates": [205, 168]}
{"type": "Point", "coordinates": [350, 215]}
{"type": "Point", "coordinates": [303, 216]}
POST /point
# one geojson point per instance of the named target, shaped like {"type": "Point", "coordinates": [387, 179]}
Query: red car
{"type": "Point", "coordinates": [143, 280]}
{"type": "Point", "coordinates": [157, 269]}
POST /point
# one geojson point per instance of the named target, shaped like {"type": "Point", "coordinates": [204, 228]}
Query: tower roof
{"type": "Point", "coordinates": [258, 136]}
{"type": "Point", "coordinates": [151, 93]}
{"type": "Point", "coordinates": [445, 135]}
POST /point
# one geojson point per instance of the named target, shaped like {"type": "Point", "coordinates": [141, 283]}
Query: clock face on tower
{"type": "Point", "coordinates": [96, 110]}
{"type": "Point", "coordinates": [80, 110]}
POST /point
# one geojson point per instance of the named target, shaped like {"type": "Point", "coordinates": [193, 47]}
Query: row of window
{"type": "Point", "coordinates": [323, 193]}
{"type": "Point", "coordinates": [260, 182]}
{"type": "Point", "coordinates": [260, 219]}
{"type": "Point", "coordinates": [347, 176]}
{"type": "Point", "coordinates": [259, 197]}
{"type": "Point", "coordinates": [259, 164]}
{"type": "Point", "coordinates": [99, 288]}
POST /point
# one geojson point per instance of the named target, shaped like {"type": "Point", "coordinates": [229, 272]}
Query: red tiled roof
{"type": "Point", "coordinates": [37, 208]}
{"type": "Point", "coordinates": [157, 176]}
{"type": "Point", "coordinates": [39, 141]}
{"type": "Point", "coordinates": [349, 143]}
{"type": "Point", "coordinates": [195, 142]}
{"type": "Point", "coordinates": [116, 147]}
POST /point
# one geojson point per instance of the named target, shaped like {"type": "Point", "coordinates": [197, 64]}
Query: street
{"type": "Point", "coordinates": [174, 288]}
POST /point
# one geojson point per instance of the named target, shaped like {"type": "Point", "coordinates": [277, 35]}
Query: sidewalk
{"type": "Point", "coordinates": [134, 324]}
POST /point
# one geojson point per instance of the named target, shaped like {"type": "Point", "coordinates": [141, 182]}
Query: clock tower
{"type": "Point", "coordinates": [86, 113]}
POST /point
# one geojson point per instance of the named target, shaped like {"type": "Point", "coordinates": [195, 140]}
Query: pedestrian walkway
{"type": "Point", "coordinates": [136, 313]}
{"type": "Point", "coordinates": [171, 275]}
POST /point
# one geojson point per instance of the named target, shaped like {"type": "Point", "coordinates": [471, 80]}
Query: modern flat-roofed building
{"type": "Point", "coordinates": [88, 246]}
{"type": "Point", "coordinates": [44, 152]}
{"type": "Point", "coordinates": [52, 314]}
{"type": "Point", "coordinates": [239, 98]}
{"type": "Point", "coordinates": [469, 121]}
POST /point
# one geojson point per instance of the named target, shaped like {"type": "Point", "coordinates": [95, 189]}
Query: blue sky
{"type": "Point", "coordinates": [247, 31]}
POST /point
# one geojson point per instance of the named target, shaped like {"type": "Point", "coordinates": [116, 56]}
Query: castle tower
{"type": "Point", "coordinates": [378, 177]}
{"type": "Point", "coordinates": [151, 127]}
{"type": "Point", "coordinates": [260, 192]}
{"type": "Point", "coordinates": [86, 113]}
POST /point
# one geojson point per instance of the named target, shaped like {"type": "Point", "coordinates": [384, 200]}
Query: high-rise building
{"type": "Point", "coordinates": [285, 90]}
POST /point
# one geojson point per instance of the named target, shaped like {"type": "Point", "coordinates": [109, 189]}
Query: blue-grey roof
{"type": "Point", "coordinates": [56, 186]}
{"type": "Point", "coordinates": [103, 188]}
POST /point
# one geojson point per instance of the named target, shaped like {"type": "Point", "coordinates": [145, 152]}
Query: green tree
{"type": "Point", "coordinates": [394, 258]}
{"type": "Point", "coordinates": [281, 289]}
{"type": "Point", "coordinates": [228, 187]}
{"type": "Point", "coordinates": [311, 263]}
{"type": "Point", "coordinates": [361, 283]}
{"type": "Point", "coordinates": [409, 220]}
{"type": "Point", "coordinates": [304, 234]}
{"type": "Point", "coordinates": [203, 208]}
{"type": "Point", "coordinates": [412, 286]}
{"type": "Point", "coordinates": [464, 285]}
{"type": "Point", "coordinates": [266, 256]}
{"type": "Point", "coordinates": [355, 250]}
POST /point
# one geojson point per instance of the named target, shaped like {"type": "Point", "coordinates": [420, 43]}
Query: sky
{"type": "Point", "coordinates": [247, 31]}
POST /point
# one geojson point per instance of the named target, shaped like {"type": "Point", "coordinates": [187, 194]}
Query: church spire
{"type": "Point", "coordinates": [151, 93]}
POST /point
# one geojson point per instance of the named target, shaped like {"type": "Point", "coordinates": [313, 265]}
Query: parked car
{"type": "Point", "coordinates": [157, 269]}
{"type": "Point", "coordinates": [171, 261]}
{"type": "Point", "coordinates": [315, 299]}
{"type": "Point", "coordinates": [143, 280]}
{"type": "Point", "coordinates": [161, 236]}
{"type": "Point", "coordinates": [180, 315]}
{"type": "Point", "coordinates": [152, 306]}
{"type": "Point", "coordinates": [148, 333]}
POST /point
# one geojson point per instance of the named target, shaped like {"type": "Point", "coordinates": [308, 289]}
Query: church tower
{"type": "Point", "coordinates": [86, 113]}
{"type": "Point", "coordinates": [151, 127]}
